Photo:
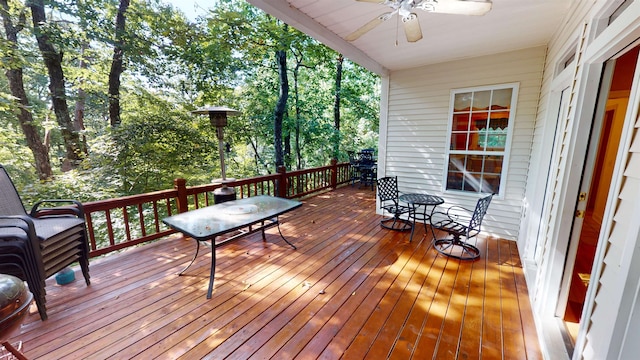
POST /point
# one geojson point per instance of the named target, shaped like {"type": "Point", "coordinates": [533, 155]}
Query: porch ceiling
{"type": "Point", "coordinates": [510, 25]}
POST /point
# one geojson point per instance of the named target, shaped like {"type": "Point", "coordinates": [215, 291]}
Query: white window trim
{"type": "Point", "coordinates": [507, 149]}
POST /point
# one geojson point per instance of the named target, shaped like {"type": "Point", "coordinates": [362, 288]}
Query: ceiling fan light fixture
{"type": "Point", "coordinates": [458, 7]}
{"type": "Point", "coordinates": [404, 9]}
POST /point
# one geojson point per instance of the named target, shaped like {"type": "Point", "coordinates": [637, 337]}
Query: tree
{"type": "Point", "coordinates": [16, 85]}
{"type": "Point", "coordinates": [281, 105]}
{"type": "Point", "coordinates": [336, 105]}
{"type": "Point", "coordinates": [75, 149]}
{"type": "Point", "coordinates": [116, 65]}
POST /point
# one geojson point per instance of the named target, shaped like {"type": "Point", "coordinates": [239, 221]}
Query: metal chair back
{"type": "Point", "coordinates": [10, 202]}
{"type": "Point", "coordinates": [482, 205]}
{"type": "Point", "coordinates": [388, 189]}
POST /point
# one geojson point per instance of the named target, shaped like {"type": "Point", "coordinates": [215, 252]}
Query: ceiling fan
{"type": "Point", "coordinates": [404, 9]}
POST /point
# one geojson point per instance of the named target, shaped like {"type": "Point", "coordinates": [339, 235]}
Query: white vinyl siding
{"type": "Point", "coordinates": [607, 322]}
{"type": "Point", "coordinates": [416, 134]}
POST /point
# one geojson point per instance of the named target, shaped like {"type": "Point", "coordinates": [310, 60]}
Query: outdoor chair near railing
{"type": "Point", "coordinates": [37, 245]}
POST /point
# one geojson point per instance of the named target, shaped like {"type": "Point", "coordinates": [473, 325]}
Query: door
{"type": "Point", "coordinates": [603, 147]}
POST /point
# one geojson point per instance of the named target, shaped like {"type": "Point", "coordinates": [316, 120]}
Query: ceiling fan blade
{"type": "Point", "coordinates": [458, 7]}
{"type": "Point", "coordinates": [368, 26]}
{"type": "Point", "coordinates": [412, 28]}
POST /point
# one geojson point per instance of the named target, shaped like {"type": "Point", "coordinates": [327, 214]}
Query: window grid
{"type": "Point", "coordinates": [478, 139]}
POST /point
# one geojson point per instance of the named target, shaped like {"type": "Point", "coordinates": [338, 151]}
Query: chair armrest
{"type": "Point", "coordinates": [459, 214]}
{"type": "Point", "coordinates": [22, 222]}
{"type": "Point", "coordinates": [74, 207]}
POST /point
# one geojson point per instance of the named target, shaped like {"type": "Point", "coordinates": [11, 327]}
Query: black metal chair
{"type": "Point", "coordinates": [37, 245]}
{"type": "Point", "coordinates": [355, 168]}
{"type": "Point", "coordinates": [462, 225]}
{"type": "Point", "coordinates": [367, 167]}
{"type": "Point", "coordinates": [388, 194]}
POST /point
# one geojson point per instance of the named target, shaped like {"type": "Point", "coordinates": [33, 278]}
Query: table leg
{"type": "Point", "coordinates": [213, 267]}
{"type": "Point", "coordinates": [192, 260]}
{"type": "Point", "coordinates": [412, 215]}
{"type": "Point", "coordinates": [282, 236]}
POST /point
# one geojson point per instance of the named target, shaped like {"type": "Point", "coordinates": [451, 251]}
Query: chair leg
{"type": "Point", "coordinates": [397, 224]}
{"type": "Point", "coordinates": [456, 248]}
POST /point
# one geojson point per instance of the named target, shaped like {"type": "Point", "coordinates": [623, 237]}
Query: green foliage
{"type": "Point", "coordinates": [159, 141]}
{"type": "Point", "coordinates": [172, 66]}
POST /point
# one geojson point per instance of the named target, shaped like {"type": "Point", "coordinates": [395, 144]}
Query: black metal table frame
{"type": "Point", "coordinates": [266, 222]}
{"type": "Point", "coordinates": [417, 201]}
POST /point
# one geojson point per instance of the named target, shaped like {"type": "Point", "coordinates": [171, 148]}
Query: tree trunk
{"type": "Point", "coordinates": [116, 66]}
{"type": "Point", "coordinates": [296, 93]}
{"type": "Point", "coordinates": [281, 105]}
{"type": "Point", "coordinates": [53, 61]}
{"type": "Point", "coordinates": [16, 85]}
{"type": "Point", "coordinates": [336, 106]}
{"type": "Point", "coordinates": [78, 123]}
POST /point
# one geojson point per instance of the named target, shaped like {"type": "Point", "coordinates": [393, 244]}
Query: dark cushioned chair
{"type": "Point", "coordinates": [37, 245]}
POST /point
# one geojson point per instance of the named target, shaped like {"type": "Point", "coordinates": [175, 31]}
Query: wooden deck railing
{"type": "Point", "coordinates": [115, 224]}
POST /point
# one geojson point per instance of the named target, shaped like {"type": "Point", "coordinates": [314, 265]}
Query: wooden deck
{"type": "Point", "coordinates": [352, 290]}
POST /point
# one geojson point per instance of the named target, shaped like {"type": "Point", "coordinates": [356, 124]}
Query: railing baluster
{"type": "Point", "coordinates": [156, 218]}
{"type": "Point", "coordinates": [127, 229]}
{"type": "Point", "coordinates": [141, 215]}
{"type": "Point", "coordinates": [92, 235]}
{"type": "Point", "coordinates": [110, 227]}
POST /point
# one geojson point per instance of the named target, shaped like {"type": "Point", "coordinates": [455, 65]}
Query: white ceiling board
{"type": "Point", "coordinates": [510, 25]}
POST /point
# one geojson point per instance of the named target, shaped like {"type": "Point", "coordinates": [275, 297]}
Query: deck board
{"type": "Point", "coordinates": [352, 290]}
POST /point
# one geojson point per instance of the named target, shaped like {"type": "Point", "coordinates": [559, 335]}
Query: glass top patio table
{"type": "Point", "coordinates": [212, 221]}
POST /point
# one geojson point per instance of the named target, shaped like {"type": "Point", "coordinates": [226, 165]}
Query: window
{"type": "Point", "coordinates": [479, 136]}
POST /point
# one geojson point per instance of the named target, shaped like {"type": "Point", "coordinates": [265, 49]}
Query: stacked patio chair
{"type": "Point", "coordinates": [37, 245]}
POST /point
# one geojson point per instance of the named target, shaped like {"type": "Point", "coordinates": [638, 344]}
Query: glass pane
{"type": "Point", "coordinates": [496, 140]}
{"type": "Point", "coordinates": [472, 182]}
{"type": "Point", "coordinates": [493, 164]}
{"type": "Point", "coordinates": [474, 163]}
{"type": "Point", "coordinates": [457, 163]}
{"type": "Point", "coordinates": [501, 99]}
{"type": "Point", "coordinates": [454, 181]}
{"type": "Point", "coordinates": [481, 100]}
{"type": "Point", "coordinates": [479, 120]}
{"type": "Point", "coordinates": [460, 122]}
{"type": "Point", "coordinates": [499, 120]}
{"type": "Point", "coordinates": [491, 184]}
{"type": "Point", "coordinates": [462, 102]}
{"type": "Point", "coordinates": [459, 141]}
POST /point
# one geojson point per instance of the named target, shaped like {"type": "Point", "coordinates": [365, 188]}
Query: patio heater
{"type": "Point", "coordinates": [218, 117]}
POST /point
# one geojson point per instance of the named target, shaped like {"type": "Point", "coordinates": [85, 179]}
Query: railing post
{"type": "Point", "coordinates": [181, 186]}
{"type": "Point", "coordinates": [281, 183]}
{"type": "Point", "coordinates": [334, 173]}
